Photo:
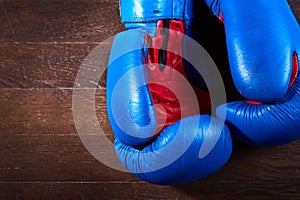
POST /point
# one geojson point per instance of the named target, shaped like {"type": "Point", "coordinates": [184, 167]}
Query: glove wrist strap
{"type": "Point", "coordinates": [150, 11]}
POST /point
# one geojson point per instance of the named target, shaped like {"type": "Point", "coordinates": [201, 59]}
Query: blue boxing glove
{"type": "Point", "coordinates": [160, 134]}
{"type": "Point", "coordinates": [263, 42]}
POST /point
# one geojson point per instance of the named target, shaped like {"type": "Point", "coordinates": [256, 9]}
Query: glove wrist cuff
{"type": "Point", "coordinates": [150, 11]}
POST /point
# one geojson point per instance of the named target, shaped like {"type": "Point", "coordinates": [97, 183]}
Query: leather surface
{"type": "Point", "coordinates": [189, 137]}
{"type": "Point", "coordinates": [266, 124]}
{"type": "Point", "coordinates": [262, 36]}
{"type": "Point", "coordinates": [263, 42]}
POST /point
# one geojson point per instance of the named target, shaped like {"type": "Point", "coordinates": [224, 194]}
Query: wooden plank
{"type": "Point", "coordinates": [58, 20]}
{"type": "Point", "coordinates": [141, 190]}
{"type": "Point", "coordinates": [52, 65]}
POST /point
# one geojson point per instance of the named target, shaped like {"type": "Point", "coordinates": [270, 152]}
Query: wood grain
{"type": "Point", "coordinates": [46, 65]}
{"type": "Point", "coordinates": [58, 20]}
{"type": "Point", "coordinates": [42, 47]}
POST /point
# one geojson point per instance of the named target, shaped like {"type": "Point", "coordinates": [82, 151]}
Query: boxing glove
{"type": "Point", "coordinates": [154, 110]}
{"type": "Point", "coordinates": [263, 43]}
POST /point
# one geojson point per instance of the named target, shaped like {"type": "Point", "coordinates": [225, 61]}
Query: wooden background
{"type": "Point", "coordinates": [42, 45]}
